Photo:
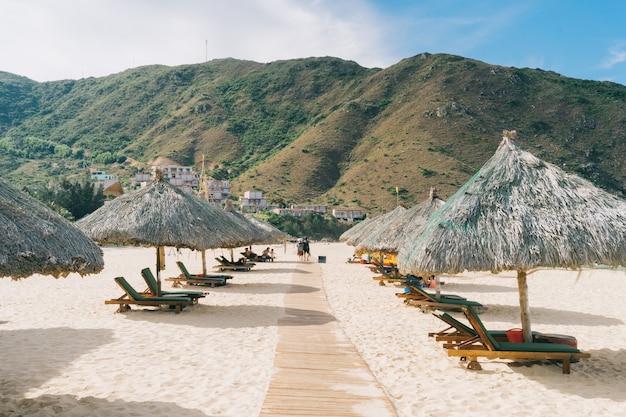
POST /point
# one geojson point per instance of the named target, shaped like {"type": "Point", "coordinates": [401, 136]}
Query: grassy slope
{"type": "Point", "coordinates": [322, 129]}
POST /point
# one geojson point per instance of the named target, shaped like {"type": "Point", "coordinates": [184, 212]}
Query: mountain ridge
{"type": "Point", "coordinates": [314, 130]}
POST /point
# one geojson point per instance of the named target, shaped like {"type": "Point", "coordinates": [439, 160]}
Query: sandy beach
{"type": "Point", "coordinates": [65, 353]}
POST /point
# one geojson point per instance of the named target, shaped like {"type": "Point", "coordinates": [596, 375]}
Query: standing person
{"type": "Point", "coordinates": [300, 249]}
{"type": "Point", "coordinates": [306, 249]}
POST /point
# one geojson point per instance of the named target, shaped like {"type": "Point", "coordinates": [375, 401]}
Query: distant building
{"type": "Point", "coordinates": [101, 176]}
{"type": "Point", "coordinates": [183, 177]}
{"type": "Point", "coordinates": [111, 187]}
{"type": "Point", "coordinates": [349, 215]}
{"type": "Point", "coordinates": [215, 191]}
{"type": "Point", "coordinates": [253, 201]}
{"type": "Point", "coordinates": [299, 211]}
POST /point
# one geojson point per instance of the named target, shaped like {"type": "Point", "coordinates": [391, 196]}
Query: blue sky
{"type": "Point", "coordinates": [59, 39]}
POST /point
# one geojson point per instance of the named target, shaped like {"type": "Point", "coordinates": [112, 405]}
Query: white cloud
{"type": "Point", "coordinates": [56, 39]}
{"type": "Point", "coordinates": [617, 55]}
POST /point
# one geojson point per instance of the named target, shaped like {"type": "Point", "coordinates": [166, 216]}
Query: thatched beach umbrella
{"type": "Point", "coordinates": [518, 213]}
{"type": "Point", "coordinates": [274, 235]}
{"type": "Point", "coordinates": [356, 229]}
{"type": "Point", "coordinates": [162, 215]}
{"type": "Point", "coordinates": [379, 221]}
{"type": "Point", "coordinates": [36, 240]}
{"type": "Point", "coordinates": [393, 235]}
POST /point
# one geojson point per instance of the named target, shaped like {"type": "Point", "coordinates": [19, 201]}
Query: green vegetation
{"type": "Point", "coordinates": [315, 226]}
{"type": "Point", "coordinates": [72, 200]}
{"type": "Point", "coordinates": [316, 130]}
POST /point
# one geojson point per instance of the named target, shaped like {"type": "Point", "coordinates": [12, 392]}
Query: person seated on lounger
{"type": "Point", "coordinates": [249, 254]}
{"type": "Point", "coordinates": [265, 255]}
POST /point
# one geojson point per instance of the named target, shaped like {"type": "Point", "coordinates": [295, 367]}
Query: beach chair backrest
{"type": "Point", "coordinates": [121, 281]}
{"type": "Point", "coordinates": [447, 318]}
{"type": "Point", "coordinates": [183, 269]}
{"type": "Point", "coordinates": [147, 275]}
{"type": "Point", "coordinates": [480, 329]}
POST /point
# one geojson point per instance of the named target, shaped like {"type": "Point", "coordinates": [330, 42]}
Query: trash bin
{"type": "Point", "coordinates": [321, 259]}
{"type": "Point", "coordinates": [515, 335]}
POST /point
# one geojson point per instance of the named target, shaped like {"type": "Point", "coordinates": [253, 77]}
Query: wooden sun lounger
{"type": "Point", "coordinates": [422, 298]}
{"type": "Point", "coordinates": [151, 281]}
{"type": "Point", "coordinates": [458, 332]}
{"type": "Point", "coordinates": [212, 280]}
{"type": "Point", "coordinates": [132, 296]}
{"type": "Point", "coordinates": [486, 346]}
{"type": "Point", "coordinates": [232, 266]}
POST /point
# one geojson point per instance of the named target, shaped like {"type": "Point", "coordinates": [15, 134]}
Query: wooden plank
{"type": "Point", "coordinates": [318, 372]}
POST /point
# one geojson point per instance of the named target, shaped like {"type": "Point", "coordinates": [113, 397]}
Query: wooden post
{"type": "Point", "coordinates": [524, 306]}
{"type": "Point", "coordinates": [204, 263]}
{"type": "Point", "coordinates": [158, 270]}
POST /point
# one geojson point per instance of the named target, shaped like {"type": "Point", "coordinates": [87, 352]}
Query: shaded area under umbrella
{"type": "Point", "coordinates": [36, 240]}
{"type": "Point", "coordinates": [162, 215]}
{"type": "Point", "coordinates": [520, 213]}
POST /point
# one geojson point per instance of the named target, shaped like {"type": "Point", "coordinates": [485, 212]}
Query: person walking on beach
{"type": "Point", "coordinates": [306, 249]}
{"type": "Point", "coordinates": [300, 249]}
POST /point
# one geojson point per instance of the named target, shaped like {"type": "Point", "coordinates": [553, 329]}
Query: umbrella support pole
{"type": "Point", "coordinates": [524, 306]}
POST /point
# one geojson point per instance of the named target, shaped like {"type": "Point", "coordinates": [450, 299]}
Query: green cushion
{"type": "Point", "coordinates": [537, 347]}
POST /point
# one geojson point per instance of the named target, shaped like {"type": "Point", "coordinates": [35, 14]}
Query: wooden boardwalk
{"type": "Point", "coordinates": [317, 370]}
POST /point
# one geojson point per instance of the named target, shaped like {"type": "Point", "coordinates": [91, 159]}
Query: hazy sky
{"type": "Point", "coordinates": [58, 39]}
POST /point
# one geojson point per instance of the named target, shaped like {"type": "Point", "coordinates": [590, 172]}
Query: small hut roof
{"type": "Point", "coordinates": [163, 215]}
{"type": "Point", "coordinates": [395, 234]}
{"type": "Point", "coordinates": [370, 227]}
{"type": "Point", "coordinates": [35, 240]}
{"type": "Point", "coordinates": [520, 213]}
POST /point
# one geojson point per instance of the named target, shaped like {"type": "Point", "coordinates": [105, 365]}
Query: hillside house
{"type": "Point", "coordinates": [252, 201]}
{"type": "Point", "coordinates": [299, 211]}
{"type": "Point", "coordinates": [183, 177]}
{"type": "Point", "coordinates": [215, 191]}
{"type": "Point", "coordinates": [349, 215]}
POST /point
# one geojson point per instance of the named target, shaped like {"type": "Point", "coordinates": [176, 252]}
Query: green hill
{"type": "Point", "coordinates": [319, 130]}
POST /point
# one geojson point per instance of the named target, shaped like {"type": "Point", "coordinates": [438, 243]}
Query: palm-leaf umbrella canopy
{"type": "Point", "coordinates": [520, 213]}
{"type": "Point", "coordinates": [36, 240]}
{"type": "Point", "coordinates": [377, 222]}
{"type": "Point", "coordinates": [162, 215]}
{"type": "Point", "coordinates": [356, 229]}
{"type": "Point", "coordinates": [274, 235]}
{"type": "Point", "coordinates": [391, 237]}
{"type": "Point", "coordinates": [255, 233]}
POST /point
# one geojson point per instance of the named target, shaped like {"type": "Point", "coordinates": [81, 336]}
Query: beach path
{"type": "Point", "coordinates": [317, 370]}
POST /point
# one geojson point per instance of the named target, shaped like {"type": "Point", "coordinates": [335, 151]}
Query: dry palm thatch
{"type": "Point", "coordinates": [379, 221]}
{"type": "Point", "coordinates": [254, 231]}
{"type": "Point", "coordinates": [356, 229]}
{"type": "Point", "coordinates": [37, 240]}
{"type": "Point", "coordinates": [520, 213]}
{"type": "Point", "coordinates": [162, 215]}
{"type": "Point", "coordinates": [275, 235]}
{"type": "Point", "coordinates": [402, 230]}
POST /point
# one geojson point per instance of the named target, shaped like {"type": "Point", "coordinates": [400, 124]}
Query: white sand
{"type": "Point", "coordinates": [65, 353]}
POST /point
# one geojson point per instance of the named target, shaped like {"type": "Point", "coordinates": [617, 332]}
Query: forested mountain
{"type": "Point", "coordinates": [315, 130]}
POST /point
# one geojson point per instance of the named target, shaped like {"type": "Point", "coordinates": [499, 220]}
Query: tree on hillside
{"type": "Point", "coordinates": [316, 226]}
{"type": "Point", "coordinates": [77, 198]}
